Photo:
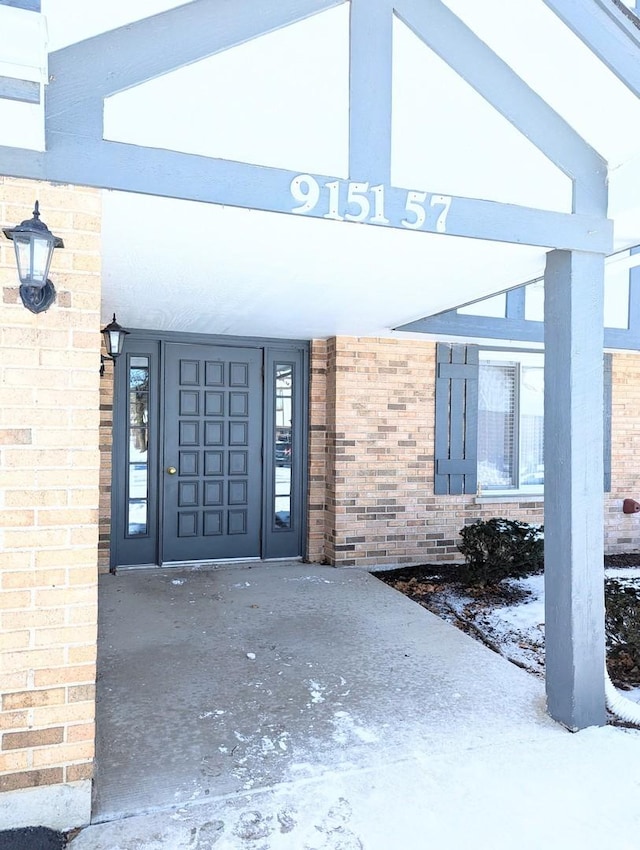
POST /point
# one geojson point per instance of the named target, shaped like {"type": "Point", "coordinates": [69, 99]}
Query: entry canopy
{"type": "Point", "coordinates": [464, 139]}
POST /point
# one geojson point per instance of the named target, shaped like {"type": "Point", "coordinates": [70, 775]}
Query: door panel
{"type": "Point", "coordinates": [212, 478]}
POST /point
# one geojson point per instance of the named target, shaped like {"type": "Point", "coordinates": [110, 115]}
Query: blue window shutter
{"type": "Point", "coordinates": [608, 358]}
{"type": "Point", "coordinates": [456, 432]}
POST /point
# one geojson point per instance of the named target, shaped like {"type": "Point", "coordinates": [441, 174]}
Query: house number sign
{"type": "Point", "coordinates": [365, 203]}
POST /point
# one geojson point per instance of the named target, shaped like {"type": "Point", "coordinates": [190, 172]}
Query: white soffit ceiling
{"type": "Point", "coordinates": [212, 269]}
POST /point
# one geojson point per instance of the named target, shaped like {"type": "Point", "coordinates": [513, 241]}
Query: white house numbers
{"type": "Point", "coordinates": [353, 201]}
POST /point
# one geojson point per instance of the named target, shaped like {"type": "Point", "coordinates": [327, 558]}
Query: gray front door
{"type": "Point", "coordinates": [212, 455]}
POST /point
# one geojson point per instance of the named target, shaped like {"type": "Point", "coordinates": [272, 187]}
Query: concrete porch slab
{"type": "Point", "coordinates": [359, 722]}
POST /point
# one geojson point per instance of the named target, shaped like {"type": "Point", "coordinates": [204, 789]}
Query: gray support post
{"type": "Point", "coordinates": [573, 435]}
{"type": "Point", "coordinates": [371, 75]}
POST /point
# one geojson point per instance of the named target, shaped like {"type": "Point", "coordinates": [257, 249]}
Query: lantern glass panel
{"type": "Point", "coordinates": [42, 250]}
{"type": "Point", "coordinates": [22, 246]}
{"type": "Point", "coordinates": [115, 342]}
{"type": "Point", "coordinates": [33, 255]}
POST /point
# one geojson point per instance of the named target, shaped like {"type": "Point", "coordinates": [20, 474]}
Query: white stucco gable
{"type": "Point", "coordinates": [282, 101]}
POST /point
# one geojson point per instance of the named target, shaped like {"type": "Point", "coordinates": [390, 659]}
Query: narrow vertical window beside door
{"type": "Point", "coordinates": [138, 447]}
{"type": "Point", "coordinates": [283, 430]}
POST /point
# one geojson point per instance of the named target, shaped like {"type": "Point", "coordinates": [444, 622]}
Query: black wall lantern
{"type": "Point", "coordinates": [34, 244]}
{"type": "Point", "coordinates": [114, 336]}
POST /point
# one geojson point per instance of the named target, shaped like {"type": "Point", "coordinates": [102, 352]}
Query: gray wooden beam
{"type": "Point", "coordinates": [172, 174]}
{"type": "Point", "coordinates": [145, 49]}
{"type": "Point", "coordinates": [370, 90]}
{"type": "Point", "coordinates": [25, 91]}
{"type": "Point", "coordinates": [27, 5]}
{"type": "Point", "coordinates": [23, 162]}
{"type": "Point", "coordinates": [573, 444]}
{"type": "Point", "coordinates": [515, 304]}
{"type": "Point", "coordinates": [514, 326]}
{"type": "Point", "coordinates": [83, 74]}
{"type": "Point", "coordinates": [608, 32]}
{"type": "Point", "coordinates": [492, 78]}
{"type": "Point", "coordinates": [452, 323]}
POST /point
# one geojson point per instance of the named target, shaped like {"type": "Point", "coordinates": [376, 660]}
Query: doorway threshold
{"type": "Point", "coordinates": [204, 565]}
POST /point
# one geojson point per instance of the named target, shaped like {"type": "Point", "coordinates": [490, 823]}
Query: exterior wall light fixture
{"type": "Point", "coordinates": [114, 335]}
{"type": "Point", "coordinates": [34, 244]}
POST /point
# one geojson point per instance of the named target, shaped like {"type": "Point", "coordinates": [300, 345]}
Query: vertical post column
{"type": "Point", "coordinates": [574, 502]}
{"type": "Point", "coordinates": [370, 90]}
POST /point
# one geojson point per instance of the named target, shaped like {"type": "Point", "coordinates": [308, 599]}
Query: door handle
{"type": "Point", "coordinates": [171, 470]}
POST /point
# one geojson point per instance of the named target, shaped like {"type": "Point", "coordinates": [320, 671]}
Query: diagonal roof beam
{"type": "Point", "coordinates": [83, 74]}
{"type": "Point", "coordinates": [609, 32]}
{"type": "Point", "coordinates": [495, 81]}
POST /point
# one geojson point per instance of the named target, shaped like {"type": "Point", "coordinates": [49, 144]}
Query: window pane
{"type": "Point", "coordinates": [138, 408]}
{"type": "Point", "coordinates": [496, 424]}
{"type": "Point", "coordinates": [139, 374]}
{"type": "Point", "coordinates": [138, 445]}
{"type": "Point", "coordinates": [138, 481]}
{"type": "Point", "coordinates": [137, 522]}
{"type": "Point", "coordinates": [531, 426]}
{"type": "Point", "coordinates": [283, 444]}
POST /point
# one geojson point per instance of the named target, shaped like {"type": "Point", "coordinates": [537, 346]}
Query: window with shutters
{"type": "Point", "coordinates": [489, 421]}
{"type": "Point", "coordinates": [510, 421]}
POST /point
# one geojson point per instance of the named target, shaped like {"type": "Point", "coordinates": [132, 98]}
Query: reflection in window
{"type": "Point", "coordinates": [511, 423]}
{"type": "Point", "coordinates": [283, 387]}
{"type": "Point", "coordinates": [138, 458]}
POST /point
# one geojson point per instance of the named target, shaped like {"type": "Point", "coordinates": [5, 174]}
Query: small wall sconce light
{"type": "Point", "coordinates": [34, 244]}
{"type": "Point", "coordinates": [114, 335]}
{"type": "Point", "coordinates": [630, 506]}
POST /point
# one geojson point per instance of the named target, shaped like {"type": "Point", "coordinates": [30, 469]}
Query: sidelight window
{"type": "Point", "coordinates": [283, 452]}
{"type": "Point", "coordinates": [138, 448]}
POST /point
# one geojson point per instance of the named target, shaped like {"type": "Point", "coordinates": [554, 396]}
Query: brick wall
{"type": "Point", "coordinates": [49, 386]}
{"type": "Point", "coordinates": [371, 439]}
{"type": "Point", "coordinates": [380, 507]}
{"type": "Point", "coordinates": [622, 531]}
{"type": "Point", "coordinates": [106, 442]}
{"type": "Point", "coordinates": [317, 451]}
{"type": "Point", "coordinates": [378, 392]}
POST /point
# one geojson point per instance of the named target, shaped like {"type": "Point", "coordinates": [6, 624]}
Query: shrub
{"type": "Point", "coordinates": [622, 628]}
{"type": "Point", "coordinates": [498, 548]}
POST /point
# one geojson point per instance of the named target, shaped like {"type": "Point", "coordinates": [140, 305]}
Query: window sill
{"type": "Point", "coordinates": [489, 498]}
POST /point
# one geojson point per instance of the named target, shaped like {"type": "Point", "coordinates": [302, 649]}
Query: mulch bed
{"type": "Point", "coordinates": [430, 585]}
{"type": "Point", "coordinates": [32, 838]}
{"type": "Point", "coordinates": [630, 559]}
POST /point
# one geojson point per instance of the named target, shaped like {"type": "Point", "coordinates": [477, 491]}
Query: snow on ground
{"type": "Point", "coordinates": [424, 740]}
{"type": "Point", "coordinates": [518, 629]}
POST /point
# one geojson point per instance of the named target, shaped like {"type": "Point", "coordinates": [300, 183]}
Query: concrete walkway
{"type": "Point", "coordinates": [302, 707]}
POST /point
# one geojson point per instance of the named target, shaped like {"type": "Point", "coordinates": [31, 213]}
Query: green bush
{"type": "Point", "coordinates": [498, 548]}
{"type": "Point", "coordinates": [622, 628]}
